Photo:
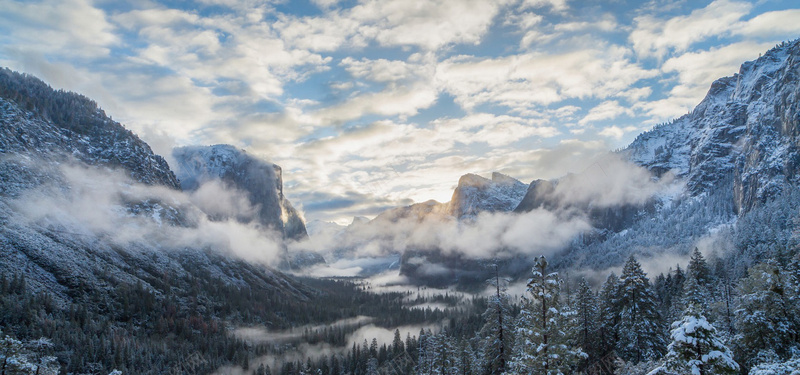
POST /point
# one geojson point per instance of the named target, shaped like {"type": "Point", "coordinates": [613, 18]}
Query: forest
{"type": "Point", "coordinates": [702, 317]}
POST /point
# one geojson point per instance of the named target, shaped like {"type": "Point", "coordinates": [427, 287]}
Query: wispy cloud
{"type": "Point", "coordinates": [390, 100]}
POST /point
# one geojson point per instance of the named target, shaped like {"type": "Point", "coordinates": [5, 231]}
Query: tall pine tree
{"type": "Point", "coordinates": [497, 337]}
{"type": "Point", "coordinates": [766, 317]}
{"type": "Point", "coordinates": [640, 330]}
{"type": "Point", "coordinates": [543, 344]}
{"type": "Point", "coordinates": [586, 309]}
{"type": "Point", "coordinates": [608, 317]}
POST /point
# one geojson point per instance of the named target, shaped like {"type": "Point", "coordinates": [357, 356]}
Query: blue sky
{"type": "Point", "coordinates": [373, 104]}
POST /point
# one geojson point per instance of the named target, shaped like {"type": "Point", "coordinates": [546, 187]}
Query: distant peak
{"type": "Point", "coordinates": [471, 179]}
{"type": "Point", "coordinates": [359, 220]}
{"type": "Point", "coordinates": [503, 179]}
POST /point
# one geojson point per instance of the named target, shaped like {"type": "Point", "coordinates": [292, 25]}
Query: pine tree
{"type": "Point", "coordinates": [698, 268]}
{"type": "Point", "coordinates": [608, 319]}
{"type": "Point", "coordinates": [543, 345]}
{"type": "Point", "coordinates": [397, 344]}
{"type": "Point", "coordinates": [467, 358]}
{"type": "Point", "coordinates": [696, 349]}
{"type": "Point", "coordinates": [372, 366]}
{"type": "Point", "coordinates": [497, 332]}
{"type": "Point", "coordinates": [695, 294]}
{"type": "Point", "coordinates": [640, 331]}
{"type": "Point", "coordinates": [586, 309]}
{"type": "Point", "coordinates": [766, 316]}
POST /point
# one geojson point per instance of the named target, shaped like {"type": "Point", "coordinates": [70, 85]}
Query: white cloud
{"type": "Point", "coordinates": [218, 48]}
{"type": "Point", "coordinates": [606, 22]}
{"type": "Point", "coordinates": [95, 204]}
{"type": "Point", "coordinates": [59, 28]}
{"type": "Point", "coordinates": [381, 70]}
{"type": "Point", "coordinates": [524, 81]}
{"type": "Point", "coordinates": [555, 5]}
{"type": "Point", "coordinates": [402, 101]}
{"type": "Point", "coordinates": [607, 110]}
{"type": "Point", "coordinates": [429, 25]}
{"type": "Point", "coordinates": [655, 37]}
{"type": "Point", "coordinates": [778, 24]}
{"type": "Point", "coordinates": [616, 132]}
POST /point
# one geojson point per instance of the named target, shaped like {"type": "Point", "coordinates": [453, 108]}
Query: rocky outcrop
{"type": "Point", "coordinates": [475, 194]}
{"type": "Point", "coordinates": [743, 136]}
{"type": "Point", "coordinates": [262, 182]}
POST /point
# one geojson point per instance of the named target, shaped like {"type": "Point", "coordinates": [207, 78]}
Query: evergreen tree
{"type": "Point", "coordinates": [766, 317]}
{"type": "Point", "coordinates": [696, 349]}
{"type": "Point", "coordinates": [640, 332]}
{"type": "Point", "coordinates": [698, 268]}
{"type": "Point", "coordinates": [397, 344]}
{"type": "Point", "coordinates": [467, 358]}
{"type": "Point", "coordinates": [587, 314]}
{"type": "Point", "coordinates": [497, 332]}
{"type": "Point", "coordinates": [372, 366]}
{"type": "Point", "coordinates": [608, 332]}
{"type": "Point", "coordinates": [695, 294]}
{"type": "Point", "coordinates": [542, 342]}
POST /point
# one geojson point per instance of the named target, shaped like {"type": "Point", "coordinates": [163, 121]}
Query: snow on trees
{"type": "Point", "coordinates": [639, 327]}
{"type": "Point", "coordinates": [543, 342]}
{"type": "Point", "coordinates": [696, 349]}
{"type": "Point", "coordinates": [496, 335]}
{"type": "Point", "coordinates": [766, 317]}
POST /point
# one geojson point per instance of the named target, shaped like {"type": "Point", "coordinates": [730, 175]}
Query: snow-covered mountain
{"type": "Point", "coordinates": [733, 158]}
{"type": "Point", "coordinates": [260, 181]}
{"type": "Point", "coordinates": [68, 176]}
{"type": "Point", "coordinates": [54, 126]}
{"type": "Point", "coordinates": [475, 194]}
{"type": "Point", "coordinates": [737, 154]}
{"type": "Point", "coordinates": [743, 136]}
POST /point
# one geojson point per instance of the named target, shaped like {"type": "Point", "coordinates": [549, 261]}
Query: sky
{"type": "Point", "coordinates": [369, 104]}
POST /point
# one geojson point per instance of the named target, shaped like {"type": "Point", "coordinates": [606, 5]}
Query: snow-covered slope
{"type": "Point", "coordinates": [742, 136]}
{"type": "Point", "coordinates": [49, 224]}
{"type": "Point", "coordinates": [737, 153]}
{"type": "Point", "coordinates": [33, 124]}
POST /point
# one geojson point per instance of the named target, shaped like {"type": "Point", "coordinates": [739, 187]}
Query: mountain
{"type": "Point", "coordinates": [261, 185]}
{"type": "Point", "coordinates": [737, 155]}
{"type": "Point", "coordinates": [318, 227]}
{"type": "Point", "coordinates": [261, 182]}
{"type": "Point", "coordinates": [716, 172]}
{"type": "Point", "coordinates": [743, 136]}
{"type": "Point", "coordinates": [106, 251]}
{"type": "Point", "coordinates": [56, 126]}
{"type": "Point", "coordinates": [475, 194]}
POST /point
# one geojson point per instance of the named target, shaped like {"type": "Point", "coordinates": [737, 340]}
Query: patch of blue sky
{"type": "Point", "coordinates": [298, 8]}
{"type": "Point", "coordinates": [444, 108]}
{"type": "Point", "coordinates": [500, 40]}
{"type": "Point", "coordinates": [314, 86]}
{"type": "Point", "coordinates": [374, 51]}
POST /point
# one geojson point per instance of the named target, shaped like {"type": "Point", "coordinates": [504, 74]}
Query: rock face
{"type": "Point", "coordinates": [475, 194]}
{"type": "Point", "coordinates": [743, 136]}
{"type": "Point", "coordinates": [261, 181]}
{"type": "Point", "coordinates": [541, 194]}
